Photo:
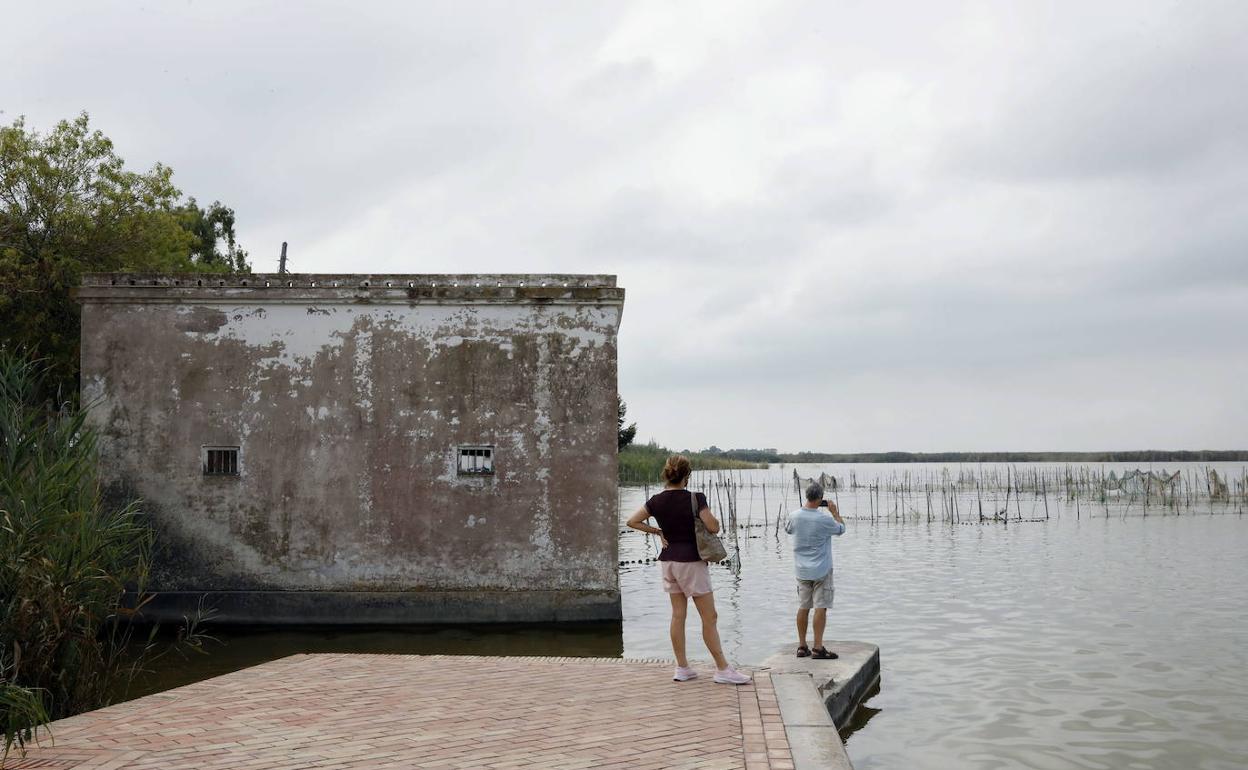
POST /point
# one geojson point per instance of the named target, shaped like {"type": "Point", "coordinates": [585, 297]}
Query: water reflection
{"type": "Point", "coordinates": [863, 714]}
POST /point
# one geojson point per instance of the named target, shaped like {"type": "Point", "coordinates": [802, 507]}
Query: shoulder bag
{"type": "Point", "coordinates": [710, 547]}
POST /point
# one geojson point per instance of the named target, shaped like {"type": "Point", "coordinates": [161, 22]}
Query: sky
{"type": "Point", "coordinates": [842, 226]}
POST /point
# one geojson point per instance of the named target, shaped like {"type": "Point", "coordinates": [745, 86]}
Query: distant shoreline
{"type": "Point", "coordinates": [1139, 456]}
{"type": "Point", "coordinates": [642, 463]}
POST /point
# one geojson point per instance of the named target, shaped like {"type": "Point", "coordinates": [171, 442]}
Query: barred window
{"type": "Point", "coordinates": [476, 460]}
{"type": "Point", "coordinates": [220, 461]}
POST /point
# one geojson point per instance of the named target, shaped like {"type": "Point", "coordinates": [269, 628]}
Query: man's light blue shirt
{"type": "Point", "coordinates": [812, 532]}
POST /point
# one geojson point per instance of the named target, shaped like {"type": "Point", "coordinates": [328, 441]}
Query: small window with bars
{"type": "Point", "coordinates": [220, 461]}
{"type": "Point", "coordinates": [476, 460]}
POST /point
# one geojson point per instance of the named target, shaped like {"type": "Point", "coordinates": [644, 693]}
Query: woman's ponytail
{"type": "Point", "coordinates": [677, 469]}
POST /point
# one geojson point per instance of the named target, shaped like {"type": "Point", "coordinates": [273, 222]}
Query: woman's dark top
{"type": "Point", "coordinates": [671, 509]}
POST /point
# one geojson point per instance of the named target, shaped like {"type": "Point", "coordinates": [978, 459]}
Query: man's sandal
{"type": "Point", "coordinates": [803, 651]}
{"type": "Point", "coordinates": [823, 653]}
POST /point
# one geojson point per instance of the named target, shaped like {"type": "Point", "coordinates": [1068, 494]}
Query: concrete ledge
{"type": "Point", "coordinates": [813, 737]}
{"type": "Point", "coordinates": [841, 683]}
{"type": "Point", "coordinates": [817, 748]}
{"type": "Point", "coordinates": [382, 607]}
{"type": "Point", "coordinates": [818, 697]}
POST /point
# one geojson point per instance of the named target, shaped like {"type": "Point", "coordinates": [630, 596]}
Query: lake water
{"type": "Point", "coordinates": [1112, 635]}
{"type": "Point", "coordinates": [1103, 641]}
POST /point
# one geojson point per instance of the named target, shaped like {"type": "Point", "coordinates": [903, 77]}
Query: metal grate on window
{"type": "Point", "coordinates": [220, 461]}
{"type": "Point", "coordinates": [476, 460]}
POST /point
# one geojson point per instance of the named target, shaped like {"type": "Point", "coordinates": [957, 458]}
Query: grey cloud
{"type": "Point", "coordinates": [834, 187]}
{"type": "Point", "coordinates": [647, 225]}
{"type": "Point", "coordinates": [1147, 93]}
{"type": "Point", "coordinates": [617, 78]}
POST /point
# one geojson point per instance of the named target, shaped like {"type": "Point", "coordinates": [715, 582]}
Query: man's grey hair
{"type": "Point", "coordinates": [814, 493]}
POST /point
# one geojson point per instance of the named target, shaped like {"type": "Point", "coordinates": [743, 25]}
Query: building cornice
{"type": "Point", "coordinates": [348, 288]}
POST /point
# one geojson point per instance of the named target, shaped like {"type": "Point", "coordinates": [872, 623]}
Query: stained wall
{"type": "Point", "coordinates": [349, 397]}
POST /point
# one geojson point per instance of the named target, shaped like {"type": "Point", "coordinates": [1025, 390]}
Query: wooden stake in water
{"type": "Point", "coordinates": [1018, 493]}
{"type": "Point", "coordinates": [1006, 511]}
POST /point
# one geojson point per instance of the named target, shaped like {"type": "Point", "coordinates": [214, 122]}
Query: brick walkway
{"type": "Point", "coordinates": [315, 712]}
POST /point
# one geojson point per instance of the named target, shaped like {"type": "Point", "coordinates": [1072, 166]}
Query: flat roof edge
{"type": "Point", "coordinates": [348, 288]}
{"type": "Point", "coordinates": [584, 280]}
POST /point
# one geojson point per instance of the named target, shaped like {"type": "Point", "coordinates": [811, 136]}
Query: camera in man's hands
{"type": "Point", "coordinates": [824, 503]}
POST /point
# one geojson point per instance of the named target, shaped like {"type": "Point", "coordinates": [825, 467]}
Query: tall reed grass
{"type": "Point", "coordinates": [67, 560]}
{"type": "Point", "coordinates": [642, 463]}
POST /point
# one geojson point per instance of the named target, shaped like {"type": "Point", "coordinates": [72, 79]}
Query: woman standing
{"type": "Point", "coordinates": [685, 575]}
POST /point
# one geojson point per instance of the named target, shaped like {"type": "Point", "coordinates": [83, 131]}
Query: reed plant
{"type": "Point", "coordinates": [21, 711]}
{"type": "Point", "coordinates": [642, 463]}
{"type": "Point", "coordinates": [68, 559]}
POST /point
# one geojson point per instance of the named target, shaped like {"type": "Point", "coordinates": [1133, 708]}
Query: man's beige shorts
{"type": "Point", "coordinates": [817, 594]}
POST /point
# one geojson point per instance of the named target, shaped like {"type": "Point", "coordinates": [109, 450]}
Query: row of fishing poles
{"type": "Point", "coordinates": [996, 496]}
{"type": "Point", "coordinates": [1187, 487]}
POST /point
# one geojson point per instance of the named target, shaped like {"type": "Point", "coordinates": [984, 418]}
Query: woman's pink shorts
{"type": "Point", "coordinates": [691, 578]}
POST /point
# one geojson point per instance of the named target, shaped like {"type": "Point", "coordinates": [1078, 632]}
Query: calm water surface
{"type": "Point", "coordinates": [1101, 638]}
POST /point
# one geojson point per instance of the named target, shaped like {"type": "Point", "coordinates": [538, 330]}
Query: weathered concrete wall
{"type": "Point", "coordinates": [348, 397]}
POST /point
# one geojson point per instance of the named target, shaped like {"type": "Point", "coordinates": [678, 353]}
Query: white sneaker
{"type": "Point", "coordinates": [684, 674]}
{"type": "Point", "coordinates": [731, 676]}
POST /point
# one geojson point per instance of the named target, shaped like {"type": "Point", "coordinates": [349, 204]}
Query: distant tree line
{"type": "Point", "coordinates": [1137, 456]}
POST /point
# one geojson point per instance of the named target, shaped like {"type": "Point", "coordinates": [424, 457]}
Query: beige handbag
{"type": "Point", "coordinates": [710, 547]}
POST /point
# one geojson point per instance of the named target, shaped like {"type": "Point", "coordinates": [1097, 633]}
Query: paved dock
{"type": "Point", "coordinates": [317, 712]}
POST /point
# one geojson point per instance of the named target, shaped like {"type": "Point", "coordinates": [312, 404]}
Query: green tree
{"type": "Point", "coordinates": [624, 435]}
{"type": "Point", "coordinates": [215, 245]}
{"type": "Point", "coordinates": [68, 206]}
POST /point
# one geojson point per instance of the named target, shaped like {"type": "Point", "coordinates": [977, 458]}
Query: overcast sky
{"type": "Point", "coordinates": [844, 226]}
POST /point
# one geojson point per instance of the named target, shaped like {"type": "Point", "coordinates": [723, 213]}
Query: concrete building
{"type": "Point", "coordinates": [364, 448]}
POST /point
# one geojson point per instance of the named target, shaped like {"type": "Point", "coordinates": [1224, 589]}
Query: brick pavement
{"type": "Point", "coordinates": [323, 712]}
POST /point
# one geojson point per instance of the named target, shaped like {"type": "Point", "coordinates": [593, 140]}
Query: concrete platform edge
{"type": "Point", "coordinates": [842, 698]}
{"type": "Point", "coordinates": [813, 737]}
{"type": "Point", "coordinates": [817, 698]}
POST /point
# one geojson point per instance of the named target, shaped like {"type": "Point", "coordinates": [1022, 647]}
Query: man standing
{"type": "Point", "coordinates": [812, 533]}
